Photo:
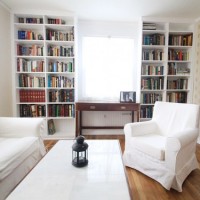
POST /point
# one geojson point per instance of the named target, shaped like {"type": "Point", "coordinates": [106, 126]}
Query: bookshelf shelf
{"type": "Point", "coordinates": [44, 62]}
{"type": "Point", "coordinates": [166, 65]}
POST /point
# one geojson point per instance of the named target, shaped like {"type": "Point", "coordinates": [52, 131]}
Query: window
{"type": "Point", "coordinates": [107, 67]}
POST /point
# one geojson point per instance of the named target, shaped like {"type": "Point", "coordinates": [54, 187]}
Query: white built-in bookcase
{"type": "Point", "coordinates": [44, 64]}
{"type": "Point", "coordinates": [166, 63]}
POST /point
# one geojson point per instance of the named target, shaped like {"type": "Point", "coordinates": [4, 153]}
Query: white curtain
{"type": "Point", "coordinates": [107, 67]}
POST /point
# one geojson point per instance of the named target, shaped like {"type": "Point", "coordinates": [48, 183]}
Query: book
{"type": "Point", "coordinates": [51, 127]}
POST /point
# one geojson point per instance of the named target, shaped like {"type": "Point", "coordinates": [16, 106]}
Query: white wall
{"type": "Point", "coordinates": [5, 63]}
{"type": "Point", "coordinates": [110, 29]}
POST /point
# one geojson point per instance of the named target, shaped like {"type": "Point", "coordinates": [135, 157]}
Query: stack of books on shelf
{"type": "Point", "coordinates": [32, 95]}
{"type": "Point", "coordinates": [149, 26]}
{"type": "Point", "coordinates": [31, 81]}
{"type": "Point", "coordinates": [55, 21]}
{"type": "Point", "coordinates": [55, 35]}
{"type": "Point", "coordinates": [154, 39]}
{"type": "Point", "coordinates": [180, 40]}
{"type": "Point", "coordinates": [177, 97]}
{"type": "Point", "coordinates": [24, 65]}
{"type": "Point", "coordinates": [30, 20]}
{"type": "Point", "coordinates": [57, 66]}
{"type": "Point", "coordinates": [29, 35]}
{"type": "Point", "coordinates": [28, 110]}
{"type": "Point", "coordinates": [61, 110]}
{"type": "Point", "coordinates": [61, 96]}
{"type": "Point", "coordinates": [150, 98]}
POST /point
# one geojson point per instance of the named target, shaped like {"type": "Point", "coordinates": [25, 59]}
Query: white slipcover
{"type": "Point", "coordinates": [164, 147]}
{"type": "Point", "coordinates": [21, 147]}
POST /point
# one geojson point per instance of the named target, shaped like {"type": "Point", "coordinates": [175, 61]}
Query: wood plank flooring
{"type": "Point", "coordinates": [145, 188]}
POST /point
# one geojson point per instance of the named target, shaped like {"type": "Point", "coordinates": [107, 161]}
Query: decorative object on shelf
{"type": "Point", "coordinates": [80, 152]}
{"type": "Point", "coordinates": [129, 97]}
{"type": "Point", "coordinates": [51, 127]}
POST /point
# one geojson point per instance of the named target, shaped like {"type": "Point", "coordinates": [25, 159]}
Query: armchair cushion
{"type": "Point", "coordinates": [152, 145]}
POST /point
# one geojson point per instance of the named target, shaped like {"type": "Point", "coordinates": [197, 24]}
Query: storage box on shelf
{"type": "Point", "coordinates": [45, 70]}
{"type": "Point", "coordinates": [166, 63]}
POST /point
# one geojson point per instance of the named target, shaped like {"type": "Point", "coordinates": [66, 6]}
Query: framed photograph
{"type": "Point", "coordinates": [128, 97]}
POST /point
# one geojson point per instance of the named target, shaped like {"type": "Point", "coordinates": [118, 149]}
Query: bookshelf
{"type": "Point", "coordinates": [166, 64]}
{"type": "Point", "coordinates": [44, 63]}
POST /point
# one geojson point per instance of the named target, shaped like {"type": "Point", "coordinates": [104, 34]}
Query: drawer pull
{"type": "Point", "coordinates": [92, 107]}
{"type": "Point", "coordinates": [123, 107]}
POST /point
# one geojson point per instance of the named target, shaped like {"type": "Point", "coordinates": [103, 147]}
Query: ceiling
{"type": "Point", "coordinates": [114, 10]}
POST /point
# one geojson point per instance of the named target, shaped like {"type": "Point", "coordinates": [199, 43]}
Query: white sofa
{"type": "Point", "coordinates": [21, 147]}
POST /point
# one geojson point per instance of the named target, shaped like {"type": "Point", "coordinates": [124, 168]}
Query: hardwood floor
{"type": "Point", "coordinates": [145, 188]}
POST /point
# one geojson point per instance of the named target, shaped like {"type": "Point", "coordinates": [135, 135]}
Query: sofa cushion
{"type": "Point", "coordinates": [151, 144]}
{"type": "Point", "coordinates": [13, 151]}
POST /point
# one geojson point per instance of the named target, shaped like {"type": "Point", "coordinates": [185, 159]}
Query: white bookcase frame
{"type": "Point", "coordinates": [64, 118]}
{"type": "Point", "coordinates": [168, 92]}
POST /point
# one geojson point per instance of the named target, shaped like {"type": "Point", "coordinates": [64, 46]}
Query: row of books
{"type": "Point", "coordinates": [55, 21]}
{"type": "Point", "coordinates": [59, 35]}
{"type": "Point", "coordinates": [174, 54]}
{"type": "Point", "coordinates": [178, 69]}
{"type": "Point", "coordinates": [177, 97]}
{"type": "Point", "coordinates": [66, 51]}
{"type": "Point", "coordinates": [181, 84]}
{"type": "Point", "coordinates": [37, 20]}
{"type": "Point", "coordinates": [152, 54]}
{"type": "Point", "coordinates": [181, 40]}
{"type": "Point", "coordinates": [152, 70]}
{"type": "Point", "coordinates": [32, 110]}
{"type": "Point", "coordinates": [30, 20]}
{"type": "Point", "coordinates": [60, 82]}
{"type": "Point", "coordinates": [154, 39]}
{"type": "Point", "coordinates": [29, 35]}
{"type": "Point", "coordinates": [61, 96]}
{"type": "Point", "coordinates": [33, 50]}
{"type": "Point", "coordinates": [61, 110]}
{"type": "Point", "coordinates": [174, 40]}
{"type": "Point", "coordinates": [57, 66]}
{"type": "Point", "coordinates": [26, 80]}
{"type": "Point", "coordinates": [146, 112]}
{"type": "Point", "coordinates": [150, 98]}
{"type": "Point", "coordinates": [152, 83]}
{"type": "Point", "coordinates": [24, 65]}
{"type": "Point", "coordinates": [31, 95]}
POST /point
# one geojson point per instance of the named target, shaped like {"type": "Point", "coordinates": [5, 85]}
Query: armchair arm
{"type": "Point", "coordinates": [181, 139]}
{"type": "Point", "coordinates": [140, 128]}
{"type": "Point", "coordinates": [21, 127]}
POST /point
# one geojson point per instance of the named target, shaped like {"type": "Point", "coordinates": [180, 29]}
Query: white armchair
{"type": "Point", "coordinates": [164, 147]}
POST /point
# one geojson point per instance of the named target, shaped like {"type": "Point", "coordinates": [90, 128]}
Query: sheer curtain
{"type": "Point", "coordinates": [107, 67]}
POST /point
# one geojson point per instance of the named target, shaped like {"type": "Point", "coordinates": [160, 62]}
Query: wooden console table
{"type": "Point", "coordinates": [86, 106]}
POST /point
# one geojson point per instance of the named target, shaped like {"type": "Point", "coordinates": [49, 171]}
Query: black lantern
{"type": "Point", "coordinates": [80, 152]}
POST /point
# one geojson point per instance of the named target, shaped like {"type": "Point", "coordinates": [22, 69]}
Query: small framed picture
{"type": "Point", "coordinates": [128, 97]}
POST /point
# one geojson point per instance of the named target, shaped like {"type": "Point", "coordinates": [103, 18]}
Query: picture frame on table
{"type": "Point", "coordinates": [127, 97]}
